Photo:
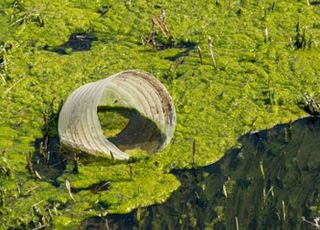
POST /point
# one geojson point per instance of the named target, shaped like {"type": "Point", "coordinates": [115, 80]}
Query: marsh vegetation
{"type": "Point", "coordinates": [260, 58]}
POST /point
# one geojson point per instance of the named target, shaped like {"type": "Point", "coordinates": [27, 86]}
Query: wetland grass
{"type": "Point", "coordinates": [266, 34]}
{"type": "Point", "coordinates": [193, 152]}
{"type": "Point", "coordinates": [237, 223]}
{"type": "Point", "coordinates": [210, 49]}
{"type": "Point", "coordinates": [200, 54]}
{"type": "Point", "coordinates": [68, 187]}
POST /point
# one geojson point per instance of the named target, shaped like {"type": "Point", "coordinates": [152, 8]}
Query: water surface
{"type": "Point", "coordinates": [271, 182]}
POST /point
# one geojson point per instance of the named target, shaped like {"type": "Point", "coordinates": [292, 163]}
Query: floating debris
{"type": "Point", "coordinates": [150, 129]}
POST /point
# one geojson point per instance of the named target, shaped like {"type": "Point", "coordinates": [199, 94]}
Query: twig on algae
{"type": "Point", "coordinates": [16, 83]}
{"type": "Point", "coordinates": [210, 46]}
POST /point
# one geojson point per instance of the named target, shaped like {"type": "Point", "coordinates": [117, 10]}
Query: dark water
{"type": "Point", "coordinates": [76, 43]}
{"type": "Point", "coordinates": [271, 182]}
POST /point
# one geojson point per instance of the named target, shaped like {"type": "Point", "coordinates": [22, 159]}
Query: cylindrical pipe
{"type": "Point", "coordinates": [152, 129]}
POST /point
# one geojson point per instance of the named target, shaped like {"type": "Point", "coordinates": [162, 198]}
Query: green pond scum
{"type": "Point", "coordinates": [263, 56]}
{"type": "Point", "coordinates": [247, 188]}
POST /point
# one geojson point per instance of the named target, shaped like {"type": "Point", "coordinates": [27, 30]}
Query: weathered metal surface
{"type": "Point", "coordinates": [80, 129]}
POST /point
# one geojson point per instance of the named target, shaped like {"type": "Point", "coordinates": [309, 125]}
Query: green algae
{"type": "Point", "coordinates": [256, 84]}
{"type": "Point", "coordinates": [248, 187]}
{"type": "Point", "coordinates": [111, 122]}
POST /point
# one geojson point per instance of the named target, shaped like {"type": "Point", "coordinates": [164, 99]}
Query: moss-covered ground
{"type": "Point", "coordinates": [266, 55]}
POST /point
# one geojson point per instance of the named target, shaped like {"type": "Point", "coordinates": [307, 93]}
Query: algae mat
{"type": "Point", "coordinates": [246, 189]}
{"type": "Point", "coordinates": [266, 55]}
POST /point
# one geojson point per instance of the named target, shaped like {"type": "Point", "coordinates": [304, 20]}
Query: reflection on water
{"type": "Point", "coordinates": [271, 182]}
